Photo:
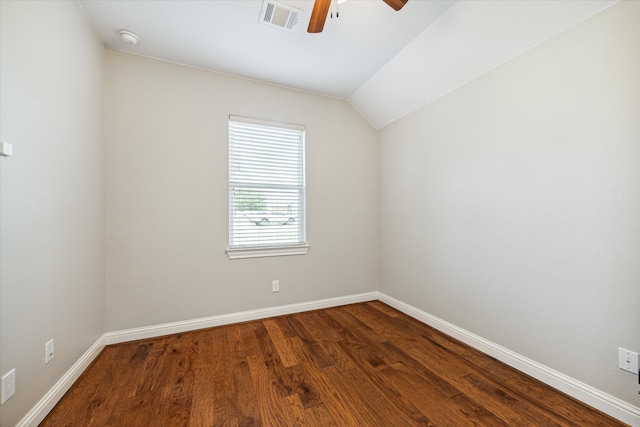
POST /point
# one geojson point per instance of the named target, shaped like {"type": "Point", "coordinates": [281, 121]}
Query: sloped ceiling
{"type": "Point", "coordinates": [469, 39]}
{"type": "Point", "coordinates": [386, 64]}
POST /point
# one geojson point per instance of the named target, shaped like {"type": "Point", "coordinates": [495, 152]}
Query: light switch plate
{"type": "Point", "coordinates": [6, 149]}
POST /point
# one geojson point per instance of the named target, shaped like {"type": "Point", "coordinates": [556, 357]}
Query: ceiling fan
{"type": "Point", "coordinates": [321, 9]}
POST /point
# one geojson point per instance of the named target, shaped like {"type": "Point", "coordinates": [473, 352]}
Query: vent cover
{"type": "Point", "coordinates": [279, 15]}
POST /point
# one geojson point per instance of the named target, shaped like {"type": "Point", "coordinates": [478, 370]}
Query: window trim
{"type": "Point", "coordinates": [266, 251]}
{"type": "Point", "coordinates": [243, 252]}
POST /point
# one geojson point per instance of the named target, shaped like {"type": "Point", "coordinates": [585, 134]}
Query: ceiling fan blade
{"type": "Point", "coordinates": [396, 4]}
{"type": "Point", "coordinates": [319, 16]}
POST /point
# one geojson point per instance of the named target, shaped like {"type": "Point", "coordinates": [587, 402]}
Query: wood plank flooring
{"type": "Point", "coordinates": [357, 365]}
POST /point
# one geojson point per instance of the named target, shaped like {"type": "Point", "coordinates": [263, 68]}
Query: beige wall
{"type": "Point", "coordinates": [511, 207]}
{"type": "Point", "coordinates": [167, 196]}
{"type": "Point", "coordinates": [52, 196]}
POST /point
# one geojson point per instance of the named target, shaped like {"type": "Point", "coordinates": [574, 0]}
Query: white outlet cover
{"type": "Point", "coordinates": [8, 385]}
{"type": "Point", "coordinates": [48, 351]}
{"type": "Point", "coordinates": [628, 360]}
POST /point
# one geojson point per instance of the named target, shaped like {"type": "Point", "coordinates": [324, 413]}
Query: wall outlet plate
{"type": "Point", "coordinates": [628, 360]}
{"type": "Point", "coordinates": [48, 351]}
{"type": "Point", "coordinates": [275, 286]}
{"type": "Point", "coordinates": [8, 385]}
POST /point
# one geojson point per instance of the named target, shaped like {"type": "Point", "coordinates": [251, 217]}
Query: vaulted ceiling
{"type": "Point", "coordinates": [385, 63]}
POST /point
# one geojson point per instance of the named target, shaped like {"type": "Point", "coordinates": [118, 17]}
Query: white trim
{"type": "Point", "coordinates": [240, 253]}
{"type": "Point", "coordinates": [264, 122]}
{"type": "Point", "coordinates": [42, 408]}
{"type": "Point", "coordinates": [152, 331]}
{"type": "Point", "coordinates": [606, 403]}
{"type": "Point", "coordinates": [55, 393]}
{"type": "Point", "coordinates": [600, 400]}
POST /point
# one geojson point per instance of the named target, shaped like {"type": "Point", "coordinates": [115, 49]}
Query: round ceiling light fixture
{"type": "Point", "coordinates": [128, 37]}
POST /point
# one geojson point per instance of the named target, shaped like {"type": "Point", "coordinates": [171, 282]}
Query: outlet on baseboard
{"type": "Point", "coordinates": [275, 286]}
{"type": "Point", "coordinates": [628, 360]}
{"type": "Point", "coordinates": [48, 351]}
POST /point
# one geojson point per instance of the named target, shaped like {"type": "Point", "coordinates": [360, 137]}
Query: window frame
{"type": "Point", "coordinates": [268, 250]}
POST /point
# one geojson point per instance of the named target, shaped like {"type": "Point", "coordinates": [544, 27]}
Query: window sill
{"type": "Point", "coordinates": [240, 253]}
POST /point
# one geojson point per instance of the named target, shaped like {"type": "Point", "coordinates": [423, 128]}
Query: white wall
{"type": "Point", "coordinates": [511, 207]}
{"type": "Point", "coordinates": [167, 196]}
{"type": "Point", "coordinates": [51, 194]}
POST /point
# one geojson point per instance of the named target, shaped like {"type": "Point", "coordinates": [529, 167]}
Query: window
{"type": "Point", "coordinates": [266, 189]}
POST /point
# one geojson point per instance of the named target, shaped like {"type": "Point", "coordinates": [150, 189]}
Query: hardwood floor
{"type": "Point", "coordinates": [358, 365]}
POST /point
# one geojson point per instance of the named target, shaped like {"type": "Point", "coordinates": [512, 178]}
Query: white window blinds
{"type": "Point", "coordinates": [266, 184]}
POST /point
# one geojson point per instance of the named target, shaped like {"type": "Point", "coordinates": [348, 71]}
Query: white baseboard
{"type": "Point", "coordinates": [226, 319]}
{"type": "Point", "coordinates": [604, 402]}
{"type": "Point", "coordinates": [53, 396]}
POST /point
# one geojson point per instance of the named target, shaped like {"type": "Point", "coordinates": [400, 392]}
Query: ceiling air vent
{"type": "Point", "coordinates": [279, 15]}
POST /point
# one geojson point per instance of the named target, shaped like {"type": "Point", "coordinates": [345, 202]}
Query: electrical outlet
{"type": "Point", "coordinates": [48, 351]}
{"type": "Point", "coordinates": [275, 286]}
{"type": "Point", "coordinates": [628, 360]}
{"type": "Point", "coordinates": [8, 386]}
